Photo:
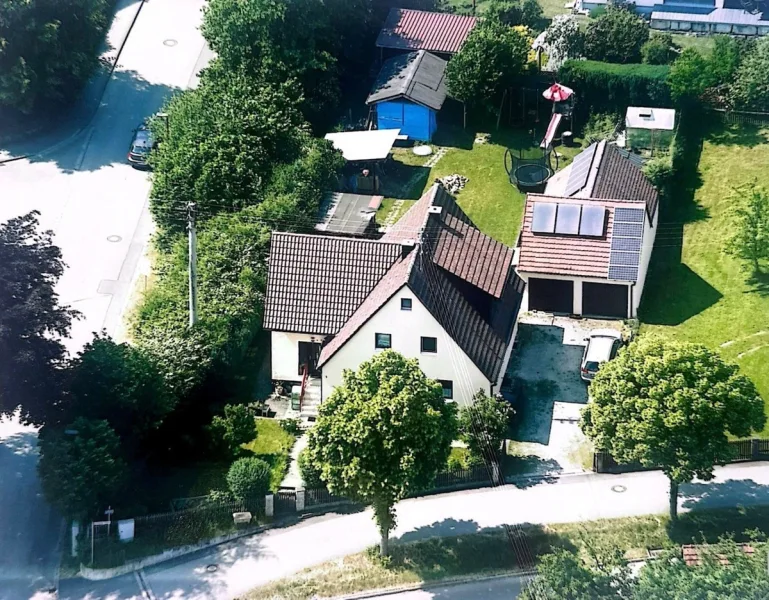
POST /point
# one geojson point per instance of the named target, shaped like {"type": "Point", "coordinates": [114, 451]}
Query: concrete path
{"type": "Point", "coordinates": [293, 478]}
{"type": "Point", "coordinates": [260, 559]}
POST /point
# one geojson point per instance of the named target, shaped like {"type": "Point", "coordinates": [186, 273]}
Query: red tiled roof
{"type": "Point", "coordinates": [421, 30]}
{"type": "Point", "coordinates": [692, 554]}
{"type": "Point", "coordinates": [565, 255]}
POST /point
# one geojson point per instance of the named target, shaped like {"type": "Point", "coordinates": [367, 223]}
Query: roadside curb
{"type": "Point", "coordinates": [450, 582]}
{"type": "Point", "coordinates": [91, 112]}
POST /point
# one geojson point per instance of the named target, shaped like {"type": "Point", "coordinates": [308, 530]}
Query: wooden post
{"type": "Point", "coordinates": [501, 106]}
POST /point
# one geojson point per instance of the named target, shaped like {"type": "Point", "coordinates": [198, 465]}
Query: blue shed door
{"type": "Point", "coordinates": [390, 115]}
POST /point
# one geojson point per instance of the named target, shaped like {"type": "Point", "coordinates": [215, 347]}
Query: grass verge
{"type": "Point", "coordinates": [273, 445]}
{"type": "Point", "coordinates": [489, 552]}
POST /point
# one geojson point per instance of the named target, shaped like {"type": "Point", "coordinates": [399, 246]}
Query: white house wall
{"type": "Point", "coordinates": [650, 234]}
{"type": "Point", "coordinates": [406, 328]}
{"type": "Point", "coordinates": [285, 354]}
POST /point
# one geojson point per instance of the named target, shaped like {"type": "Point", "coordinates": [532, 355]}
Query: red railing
{"type": "Point", "coordinates": [305, 376]}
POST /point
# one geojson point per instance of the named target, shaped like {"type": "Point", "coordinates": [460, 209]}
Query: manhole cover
{"type": "Point", "coordinates": [170, 43]}
{"type": "Point", "coordinates": [211, 568]}
{"type": "Point", "coordinates": [618, 488]}
{"type": "Point", "coordinates": [114, 238]}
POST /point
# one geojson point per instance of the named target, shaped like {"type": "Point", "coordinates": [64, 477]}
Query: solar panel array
{"type": "Point", "coordinates": [626, 244]}
{"type": "Point", "coordinates": [580, 170]}
{"type": "Point", "coordinates": [568, 219]}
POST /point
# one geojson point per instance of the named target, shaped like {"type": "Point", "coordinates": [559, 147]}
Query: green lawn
{"type": "Point", "coordinates": [491, 202]}
{"type": "Point", "coordinates": [703, 43]}
{"type": "Point", "coordinates": [490, 551]}
{"type": "Point", "coordinates": [697, 292]}
{"type": "Point", "coordinates": [273, 445]}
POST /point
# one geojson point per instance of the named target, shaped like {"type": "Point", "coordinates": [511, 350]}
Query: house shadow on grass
{"type": "Point", "coordinates": [402, 181]}
{"type": "Point", "coordinates": [674, 293]}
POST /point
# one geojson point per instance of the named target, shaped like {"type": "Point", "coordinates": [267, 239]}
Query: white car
{"type": "Point", "coordinates": [602, 346]}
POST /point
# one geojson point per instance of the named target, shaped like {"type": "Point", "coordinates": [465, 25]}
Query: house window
{"type": "Point", "coordinates": [405, 303]}
{"type": "Point", "coordinates": [383, 340]}
{"type": "Point", "coordinates": [429, 344]}
{"type": "Point", "coordinates": [448, 388]}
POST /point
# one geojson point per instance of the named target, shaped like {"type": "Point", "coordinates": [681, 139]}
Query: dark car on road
{"type": "Point", "coordinates": [141, 146]}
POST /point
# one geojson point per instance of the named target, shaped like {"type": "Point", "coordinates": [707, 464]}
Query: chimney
{"type": "Point", "coordinates": [434, 210]}
{"type": "Point", "coordinates": [406, 247]}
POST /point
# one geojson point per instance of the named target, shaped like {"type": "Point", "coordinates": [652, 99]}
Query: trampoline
{"type": "Point", "coordinates": [529, 174]}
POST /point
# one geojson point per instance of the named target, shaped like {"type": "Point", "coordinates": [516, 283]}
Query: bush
{"type": "Point", "coordinates": [249, 478]}
{"type": "Point", "coordinates": [483, 424]}
{"type": "Point", "coordinates": [310, 474]}
{"type": "Point", "coordinates": [235, 428]}
{"type": "Point", "coordinates": [599, 127]}
{"type": "Point", "coordinates": [606, 87]}
{"type": "Point", "coordinates": [616, 36]}
{"type": "Point", "coordinates": [292, 426]}
{"type": "Point", "coordinates": [659, 50]}
{"type": "Point", "coordinates": [659, 171]}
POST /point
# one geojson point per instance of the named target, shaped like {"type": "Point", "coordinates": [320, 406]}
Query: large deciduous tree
{"type": "Point", "coordinates": [562, 40]}
{"type": "Point", "coordinates": [750, 231]}
{"type": "Point", "coordinates": [690, 76]}
{"type": "Point", "coordinates": [223, 139]}
{"type": "Point", "coordinates": [31, 319]}
{"type": "Point", "coordinates": [492, 56]}
{"type": "Point", "coordinates": [120, 384]}
{"type": "Point", "coordinates": [48, 49]}
{"type": "Point", "coordinates": [750, 88]}
{"type": "Point", "coordinates": [659, 49]}
{"type": "Point", "coordinates": [81, 467]}
{"type": "Point", "coordinates": [616, 36]}
{"type": "Point", "coordinates": [671, 405]}
{"type": "Point", "coordinates": [382, 434]}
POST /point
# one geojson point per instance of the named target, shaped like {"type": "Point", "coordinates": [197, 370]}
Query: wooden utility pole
{"type": "Point", "coordinates": [193, 263]}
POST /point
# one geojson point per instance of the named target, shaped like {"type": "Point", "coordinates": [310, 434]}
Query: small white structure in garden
{"type": "Point", "coordinates": [649, 128]}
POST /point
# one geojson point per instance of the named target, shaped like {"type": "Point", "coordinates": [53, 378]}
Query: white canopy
{"type": "Point", "coordinates": [364, 145]}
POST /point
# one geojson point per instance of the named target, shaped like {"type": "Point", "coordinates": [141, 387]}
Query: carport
{"type": "Point", "coordinates": [551, 295]}
{"type": "Point", "coordinates": [605, 300]}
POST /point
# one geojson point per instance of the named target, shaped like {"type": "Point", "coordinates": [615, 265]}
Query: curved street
{"type": "Point", "coordinates": [77, 177]}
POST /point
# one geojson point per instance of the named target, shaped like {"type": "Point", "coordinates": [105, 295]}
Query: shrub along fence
{"type": "Point", "coordinates": [609, 87]}
{"type": "Point", "coordinates": [744, 450]}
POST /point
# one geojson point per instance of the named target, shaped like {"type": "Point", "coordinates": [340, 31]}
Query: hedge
{"type": "Point", "coordinates": [609, 87]}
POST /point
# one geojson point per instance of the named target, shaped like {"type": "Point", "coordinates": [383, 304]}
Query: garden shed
{"type": "Point", "coordinates": [649, 128]}
{"type": "Point", "coordinates": [408, 93]}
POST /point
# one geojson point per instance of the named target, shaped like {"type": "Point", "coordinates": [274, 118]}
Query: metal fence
{"type": "Point", "coordinates": [742, 451]}
{"type": "Point", "coordinates": [153, 534]}
{"type": "Point", "coordinates": [741, 117]}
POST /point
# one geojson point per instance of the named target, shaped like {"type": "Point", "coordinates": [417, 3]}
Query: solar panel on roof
{"type": "Point", "coordinates": [623, 273]}
{"type": "Point", "coordinates": [628, 229]}
{"type": "Point", "coordinates": [567, 219]}
{"type": "Point", "coordinates": [580, 170]}
{"type": "Point", "coordinates": [629, 215]}
{"type": "Point", "coordinates": [543, 219]}
{"type": "Point", "coordinates": [593, 221]}
{"type": "Point", "coordinates": [626, 244]}
{"type": "Point", "coordinates": [625, 259]}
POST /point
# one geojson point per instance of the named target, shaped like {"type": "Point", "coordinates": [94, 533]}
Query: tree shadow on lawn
{"type": "Point", "coordinates": [452, 547]}
{"type": "Point", "coordinates": [744, 135]}
{"type": "Point", "coordinates": [741, 522]}
{"type": "Point", "coordinates": [733, 492]}
{"type": "Point", "coordinates": [530, 470]}
{"type": "Point", "coordinates": [758, 283]}
{"type": "Point", "coordinates": [455, 136]}
{"type": "Point", "coordinates": [674, 293]}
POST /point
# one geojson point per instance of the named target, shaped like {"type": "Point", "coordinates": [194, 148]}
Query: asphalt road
{"type": "Point", "coordinates": [262, 558]}
{"type": "Point", "coordinates": [76, 175]}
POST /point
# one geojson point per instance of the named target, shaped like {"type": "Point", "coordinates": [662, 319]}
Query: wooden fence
{"type": "Point", "coordinates": [743, 451]}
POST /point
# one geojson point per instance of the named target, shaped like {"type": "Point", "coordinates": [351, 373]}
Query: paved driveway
{"type": "Point", "coordinates": [548, 395]}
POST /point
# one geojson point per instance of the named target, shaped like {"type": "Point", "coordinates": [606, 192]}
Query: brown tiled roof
{"type": "Point", "coordinates": [454, 242]}
{"type": "Point", "coordinates": [561, 254]}
{"type": "Point", "coordinates": [619, 178]}
{"type": "Point", "coordinates": [442, 241]}
{"type": "Point", "coordinates": [692, 554]}
{"type": "Point", "coordinates": [421, 30]}
{"type": "Point", "coordinates": [316, 282]}
{"type": "Point", "coordinates": [460, 248]}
